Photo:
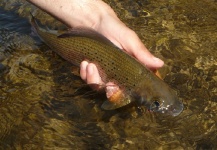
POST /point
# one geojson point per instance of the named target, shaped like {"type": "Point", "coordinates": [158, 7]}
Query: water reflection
{"type": "Point", "coordinates": [41, 107]}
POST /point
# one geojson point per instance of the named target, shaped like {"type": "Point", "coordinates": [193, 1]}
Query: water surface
{"type": "Point", "coordinates": [44, 106]}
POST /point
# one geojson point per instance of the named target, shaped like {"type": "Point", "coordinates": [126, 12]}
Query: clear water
{"type": "Point", "coordinates": [44, 106]}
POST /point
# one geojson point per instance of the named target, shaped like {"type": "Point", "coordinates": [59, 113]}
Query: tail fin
{"type": "Point", "coordinates": [34, 23]}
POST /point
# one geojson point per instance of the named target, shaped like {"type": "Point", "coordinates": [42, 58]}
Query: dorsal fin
{"type": "Point", "coordinates": [74, 32]}
{"type": "Point", "coordinates": [88, 33]}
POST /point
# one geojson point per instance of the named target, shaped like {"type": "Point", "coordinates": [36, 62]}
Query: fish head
{"type": "Point", "coordinates": [158, 97]}
{"type": "Point", "coordinates": [159, 104]}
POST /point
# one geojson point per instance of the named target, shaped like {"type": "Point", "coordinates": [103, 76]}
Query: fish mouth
{"type": "Point", "coordinates": [173, 110]}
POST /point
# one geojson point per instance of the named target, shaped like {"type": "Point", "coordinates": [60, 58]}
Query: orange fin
{"type": "Point", "coordinates": [108, 105]}
{"type": "Point", "coordinates": [117, 100]}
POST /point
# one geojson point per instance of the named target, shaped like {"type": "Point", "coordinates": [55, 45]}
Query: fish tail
{"type": "Point", "coordinates": [34, 23]}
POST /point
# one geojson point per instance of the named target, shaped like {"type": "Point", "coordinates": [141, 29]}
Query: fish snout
{"type": "Point", "coordinates": [169, 109]}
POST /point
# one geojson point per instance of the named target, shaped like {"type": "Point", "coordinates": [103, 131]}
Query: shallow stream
{"type": "Point", "coordinates": [43, 105]}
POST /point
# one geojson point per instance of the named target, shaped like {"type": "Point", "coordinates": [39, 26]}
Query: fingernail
{"type": "Point", "coordinates": [158, 60]}
{"type": "Point", "coordinates": [90, 70]}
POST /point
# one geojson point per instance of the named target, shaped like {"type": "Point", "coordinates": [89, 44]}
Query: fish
{"type": "Point", "coordinates": [136, 82]}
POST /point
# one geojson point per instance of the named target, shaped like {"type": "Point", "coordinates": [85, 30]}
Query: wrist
{"type": "Point", "coordinates": [86, 13]}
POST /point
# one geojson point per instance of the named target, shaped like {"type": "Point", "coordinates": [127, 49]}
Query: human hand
{"type": "Point", "coordinates": [118, 33]}
{"type": "Point", "coordinates": [99, 16]}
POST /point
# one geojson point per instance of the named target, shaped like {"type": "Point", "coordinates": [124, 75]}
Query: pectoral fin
{"type": "Point", "coordinates": [117, 100]}
{"type": "Point", "coordinates": [108, 105]}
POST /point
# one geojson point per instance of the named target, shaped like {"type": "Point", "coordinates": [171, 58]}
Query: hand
{"type": "Point", "coordinates": [123, 37]}
{"type": "Point", "coordinates": [98, 15]}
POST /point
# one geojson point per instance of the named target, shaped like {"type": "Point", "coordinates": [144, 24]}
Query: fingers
{"type": "Point", "coordinates": [83, 72]}
{"type": "Point", "coordinates": [111, 89]}
{"type": "Point", "coordinates": [125, 38]}
{"type": "Point", "coordinates": [134, 46]}
{"type": "Point", "coordinates": [89, 73]}
{"type": "Point", "coordinates": [93, 76]}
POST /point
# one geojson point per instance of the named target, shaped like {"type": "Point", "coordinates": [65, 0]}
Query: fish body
{"type": "Point", "coordinates": [136, 81]}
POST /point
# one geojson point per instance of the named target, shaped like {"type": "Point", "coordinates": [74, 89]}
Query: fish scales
{"type": "Point", "coordinates": [114, 64]}
{"type": "Point", "coordinates": [136, 81]}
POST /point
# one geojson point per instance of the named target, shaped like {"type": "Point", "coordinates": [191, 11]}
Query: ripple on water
{"type": "Point", "coordinates": [39, 107]}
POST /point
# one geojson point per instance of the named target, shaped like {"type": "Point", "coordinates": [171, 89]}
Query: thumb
{"type": "Point", "coordinates": [134, 46]}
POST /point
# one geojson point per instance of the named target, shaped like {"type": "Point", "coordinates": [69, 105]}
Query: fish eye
{"type": "Point", "coordinates": [155, 105]}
